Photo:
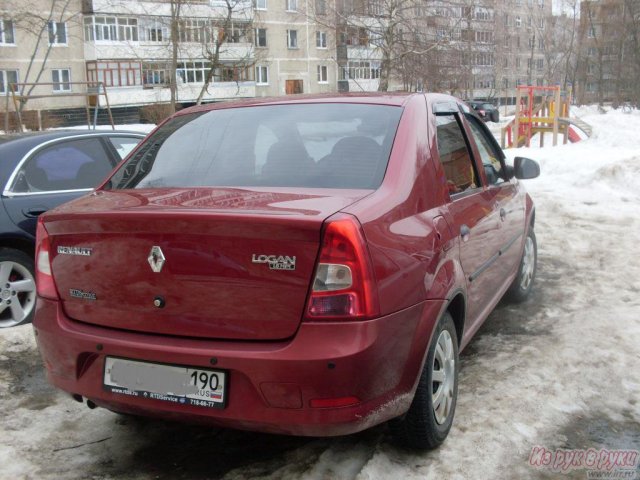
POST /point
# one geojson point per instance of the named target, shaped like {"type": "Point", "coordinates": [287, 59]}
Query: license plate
{"type": "Point", "coordinates": [200, 387]}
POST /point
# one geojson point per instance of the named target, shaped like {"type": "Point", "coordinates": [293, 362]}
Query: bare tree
{"type": "Point", "coordinates": [234, 26]}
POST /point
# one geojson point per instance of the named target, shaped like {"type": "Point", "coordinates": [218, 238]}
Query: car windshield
{"type": "Point", "coordinates": [487, 106]}
{"type": "Point", "coordinates": [331, 145]}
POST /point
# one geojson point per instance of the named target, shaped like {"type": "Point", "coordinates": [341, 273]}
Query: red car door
{"type": "Point", "coordinates": [470, 213]}
{"type": "Point", "coordinates": [508, 205]}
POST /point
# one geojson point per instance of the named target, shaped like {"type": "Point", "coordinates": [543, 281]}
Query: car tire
{"type": "Point", "coordinates": [426, 426]}
{"type": "Point", "coordinates": [522, 285]}
{"type": "Point", "coordinates": [495, 116]}
{"type": "Point", "coordinates": [17, 288]}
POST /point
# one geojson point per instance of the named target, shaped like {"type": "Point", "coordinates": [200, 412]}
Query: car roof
{"type": "Point", "coordinates": [26, 141]}
{"type": "Point", "coordinates": [397, 99]}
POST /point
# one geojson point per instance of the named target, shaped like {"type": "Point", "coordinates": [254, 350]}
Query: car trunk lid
{"type": "Point", "coordinates": [236, 263]}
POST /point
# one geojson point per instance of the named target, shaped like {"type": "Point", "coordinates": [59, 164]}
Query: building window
{"type": "Point", "coordinates": [115, 73]}
{"type": "Point", "coordinates": [360, 70]}
{"type": "Point", "coordinates": [506, 19]}
{"type": "Point", "coordinates": [155, 74]}
{"type": "Point", "coordinates": [592, 32]}
{"type": "Point", "coordinates": [261, 4]}
{"type": "Point", "coordinates": [484, 37]}
{"type": "Point", "coordinates": [192, 72]}
{"type": "Point", "coordinates": [518, 62]}
{"type": "Point", "coordinates": [483, 14]}
{"type": "Point", "coordinates": [195, 31]}
{"type": "Point", "coordinates": [540, 63]}
{"type": "Point", "coordinates": [321, 39]}
{"type": "Point", "coordinates": [128, 29]}
{"type": "Point", "coordinates": [591, 51]}
{"type": "Point", "coordinates": [323, 76]}
{"type": "Point", "coordinates": [505, 82]}
{"type": "Point", "coordinates": [7, 32]}
{"type": "Point", "coordinates": [153, 30]}
{"type": "Point", "coordinates": [238, 33]}
{"type": "Point", "coordinates": [261, 37]}
{"type": "Point", "coordinates": [532, 42]}
{"type": "Point", "coordinates": [292, 38]}
{"type": "Point", "coordinates": [321, 7]}
{"type": "Point", "coordinates": [518, 21]}
{"type": "Point", "coordinates": [110, 29]}
{"type": "Point", "coordinates": [57, 33]}
{"type": "Point", "coordinates": [262, 75]}
{"type": "Point", "coordinates": [61, 78]}
{"type": "Point", "coordinates": [292, 5]}
{"type": "Point", "coordinates": [7, 77]}
{"type": "Point", "coordinates": [541, 23]}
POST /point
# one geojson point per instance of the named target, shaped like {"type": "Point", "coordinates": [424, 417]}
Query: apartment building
{"type": "Point", "coordinates": [521, 27]}
{"type": "Point", "coordinates": [275, 47]}
{"type": "Point", "coordinates": [295, 48]}
{"type": "Point", "coordinates": [609, 63]}
{"type": "Point", "coordinates": [31, 32]}
{"type": "Point", "coordinates": [127, 46]}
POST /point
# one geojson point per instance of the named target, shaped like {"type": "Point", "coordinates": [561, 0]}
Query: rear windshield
{"type": "Point", "coordinates": [309, 145]}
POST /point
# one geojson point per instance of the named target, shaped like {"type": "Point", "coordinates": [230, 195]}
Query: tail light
{"type": "Point", "coordinates": [344, 285]}
{"type": "Point", "coordinates": [45, 285]}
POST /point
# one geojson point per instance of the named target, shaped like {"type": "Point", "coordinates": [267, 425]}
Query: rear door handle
{"type": "Point", "coordinates": [465, 232]}
{"type": "Point", "coordinates": [34, 211]}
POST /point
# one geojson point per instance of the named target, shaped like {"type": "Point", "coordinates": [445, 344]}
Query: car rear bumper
{"type": "Point", "coordinates": [271, 384]}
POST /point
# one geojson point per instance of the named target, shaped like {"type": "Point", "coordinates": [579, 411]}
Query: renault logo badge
{"type": "Point", "coordinates": [156, 259]}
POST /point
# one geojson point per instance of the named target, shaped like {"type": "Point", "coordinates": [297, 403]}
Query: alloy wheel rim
{"type": "Point", "coordinates": [443, 378]}
{"type": "Point", "coordinates": [17, 293]}
{"type": "Point", "coordinates": [528, 264]}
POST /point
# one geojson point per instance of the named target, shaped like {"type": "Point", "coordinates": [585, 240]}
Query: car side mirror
{"type": "Point", "coordinates": [525, 168]}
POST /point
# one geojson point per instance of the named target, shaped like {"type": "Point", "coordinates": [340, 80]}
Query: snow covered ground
{"type": "Point", "coordinates": [561, 370]}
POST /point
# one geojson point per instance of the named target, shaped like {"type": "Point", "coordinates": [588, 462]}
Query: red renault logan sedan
{"type": "Point", "coordinates": [307, 265]}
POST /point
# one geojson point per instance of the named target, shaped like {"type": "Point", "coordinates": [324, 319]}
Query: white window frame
{"type": "Point", "coordinates": [3, 34]}
{"type": "Point", "coordinates": [260, 70]}
{"type": "Point", "coordinates": [292, 40]}
{"type": "Point", "coordinates": [61, 83]}
{"type": "Point", "coordinates": [321, 39]}
{"type": "Point", "coordinates": [5, 82]}
{"type": "Point", "coordinates": [291, 5]}
{"type": "Point", "coordinates": [518, 23]}
{"type": "Point", "coordinates": [257, 37]}
{"type": "Point", "coordinates": [53, 29]}
{"type": "Point", "coordinates": [261, 4]}
{"type": "Point", "coordinates": [322, 74]}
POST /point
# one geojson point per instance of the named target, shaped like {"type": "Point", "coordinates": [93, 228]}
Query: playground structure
{"type": "Point", "coordinates": [550, 115]}
{"type": "Point", "coordinates": [92, 91]}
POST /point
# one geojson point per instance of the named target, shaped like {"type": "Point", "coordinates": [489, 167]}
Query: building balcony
{"type": "Point", "coordinates": [230, 52]}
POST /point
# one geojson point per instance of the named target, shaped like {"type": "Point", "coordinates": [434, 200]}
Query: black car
{"type": "Point", "coordinates": [485, 110]}
{"type": "Point", "coordinates": [39, 171]}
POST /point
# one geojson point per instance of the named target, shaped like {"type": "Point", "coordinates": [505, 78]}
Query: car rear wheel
{"type": "Point", "coordinates": [523, 283]}
{"type": "Point", "coordinates": [429, 419]}
{"type": "Point", "coordinates": [17, 288]}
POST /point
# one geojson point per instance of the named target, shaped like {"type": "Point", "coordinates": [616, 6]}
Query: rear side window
{"type": "Point", "coordinates": [67, 165]}
{"type": "Point", "coordinates": [124, 145]}
{"type": "Point", "coordinates": [456, 160]}
{"type": "Point", "coordinates": [312, 145]}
